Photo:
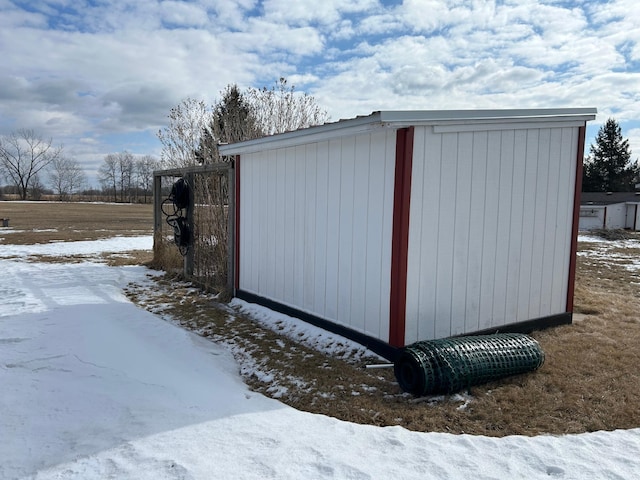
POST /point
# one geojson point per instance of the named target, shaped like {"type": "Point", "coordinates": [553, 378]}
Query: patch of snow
{"type": "Point", "coordinates": [85, 247]}
{"type": "Point", "coordinates": [463, 399]}
{"type": "Point", "coordinates": [615, 251]}
{"type": "Point", "coordinates": [302, 332]}
{"type": "Point", "coordinates": [93, 387]}
{"type": "Point", "coordinates": [584, 237]}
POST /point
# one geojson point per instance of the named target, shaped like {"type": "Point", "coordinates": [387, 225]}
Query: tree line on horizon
{"type": "Point", "coordinates": [33, 166]}
{"type": "Point", "coordinates": [191, 137]}
{"type": "Point", "coordinates": [195, 131]}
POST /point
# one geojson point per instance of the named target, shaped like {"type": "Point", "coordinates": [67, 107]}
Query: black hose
{"type": "Point", "coordinates": [172, 207]}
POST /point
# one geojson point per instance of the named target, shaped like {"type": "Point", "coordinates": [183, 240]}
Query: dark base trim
{"type": "Point", "coordinates": [383, 348]}
{"type": "Point", "coordinates": [529, 326]}
{"type": "Point", "coordinates": [375, 345]}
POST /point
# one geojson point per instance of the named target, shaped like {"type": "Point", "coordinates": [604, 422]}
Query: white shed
{"type": "Point", "coordinates": [612, 216]}
{"type": "Point", "coordinates": [412, 225]}
{"type": "Point", "coordinates": [610, 210]}
{"type": "Point", "coordinates": [632, 216]}
{"type": "Point", "coordinates": [592, 217]}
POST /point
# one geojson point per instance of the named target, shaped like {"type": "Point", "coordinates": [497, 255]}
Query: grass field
{"type": "Point", "coordinates": [42, 222]}
{"type": "Point", "coordinates": [590, 380]}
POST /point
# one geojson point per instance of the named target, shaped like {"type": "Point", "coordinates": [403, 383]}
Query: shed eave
{"type": "Point", "coordinates": [430, 117]}
{"type": "Point", "coordinates": [315, 133]}
{"type": "Point", "coordinates": [406, 118]}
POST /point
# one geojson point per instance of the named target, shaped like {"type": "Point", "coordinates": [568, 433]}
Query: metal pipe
{"type": "Point", "coordinates": [380, 365]}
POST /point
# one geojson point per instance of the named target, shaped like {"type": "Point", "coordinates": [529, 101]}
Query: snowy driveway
{"type": "Point", "coordinates": [83, 370]}
{"type": "Point", "coordinates": [93, 387]}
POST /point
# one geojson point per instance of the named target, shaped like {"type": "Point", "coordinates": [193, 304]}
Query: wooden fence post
{"type": "Point", "coordinates": [189, 257]}
{"type": "Point", "coordinates": [231, 228]}
{"type": "Point", "coordinates": [157, 203]}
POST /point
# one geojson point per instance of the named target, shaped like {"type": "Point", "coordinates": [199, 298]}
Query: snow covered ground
{"type": "Point", "coordinates": [93, 387]}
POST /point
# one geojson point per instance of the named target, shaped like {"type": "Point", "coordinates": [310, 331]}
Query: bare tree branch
{"type": "Point", "coordinates": [281, 109]}
{"type": "Point", "coordinates": [66, 176]}
{"type": "Point", "coordinates": [181, 138]}
{"type": "Point", "coordinates": [23, 154]}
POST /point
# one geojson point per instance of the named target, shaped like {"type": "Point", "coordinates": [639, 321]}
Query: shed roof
{"type": "Point", "coordinates": [608, 198]}
{"type": "Point", "coordinates": [404, 118]}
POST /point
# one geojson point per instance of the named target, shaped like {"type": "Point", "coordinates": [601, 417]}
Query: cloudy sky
{"type": "Point", "coordinates": [100, 76]}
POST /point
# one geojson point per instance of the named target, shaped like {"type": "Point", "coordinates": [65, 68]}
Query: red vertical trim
{"type": "Point", "coordinates": [237, 223]}
{"type": "Point", "coordinates": [576, 219]}
{"type": "Point", "coordinates": [400, 236]}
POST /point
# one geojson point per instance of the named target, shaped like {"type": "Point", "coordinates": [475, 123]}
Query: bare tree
{"type": "Point", "coordinates": [66, 177]}
{"type": "Point", "coordinates": [108, 175]}
{"type": "Point", "coordinates": [281, 109]}
{"type": "Point", "coordinates": [144, 167]}
{"type": "Point", "coordinates": [116, 174]}
{"type": "Point", "coordinates": [194, 130]}
{"type": "Point", "coordinates": [125, 174]}
{"type": "Point", "coordinates": [181, 138]}
{"type": "Point", "coordinates": [36, 188]}
{"type": "Point", "coordinates": [23, 154]}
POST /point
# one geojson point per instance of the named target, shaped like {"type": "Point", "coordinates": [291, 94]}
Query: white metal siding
{"type": "Point", "coordinates": [315, 228]}
{"type": "Point", "coordinates": [592, 217]}
{"type": "Point", "coordinates": [490, 228]}
{"type": "Point", "coordinates": [616, 216]}
{"type": "Point", "coordinates": [630, 215]}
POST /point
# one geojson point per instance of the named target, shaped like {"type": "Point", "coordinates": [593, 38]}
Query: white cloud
{"type": "Point", "coordinates": [429, 16]}
{"type": "Point", "coordinates": [296, 13]}
{"type": "Point", "coordinates": [229, 14]}
{"type": "Point", "coordinates": [380, 24]}
{"type": "Point", "coordinates": [633, 136]}
{"type": "Point", "coordinates": [88, 70]}
{"type": "Point", "coordinates": [265, 36]}
{"type": "Point", "coordinates": [343, 30]}
{"type": "Point", "coordinates": [323, 12]}
{"type": "Point", "coordinates": [12, 17]}
{"type": "Point", "coordinates": [180, 14]}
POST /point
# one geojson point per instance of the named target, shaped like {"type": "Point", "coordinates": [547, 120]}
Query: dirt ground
{"type": "Point", "coordinates": [590, 380]}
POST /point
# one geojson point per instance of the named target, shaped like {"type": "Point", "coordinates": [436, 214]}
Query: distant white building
{"type": "Point", "coordinates": [611, 210]}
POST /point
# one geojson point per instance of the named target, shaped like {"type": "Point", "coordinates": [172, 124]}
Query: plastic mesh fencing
{"type": "Point", "coordinates": [451, 364]}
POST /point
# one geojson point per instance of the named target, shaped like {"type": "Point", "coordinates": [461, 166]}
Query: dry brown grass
{"type": "Point", "coordinates": [166, 256]}
{"type": "Point", "coordinates": [43, 222]}
{"type": "Point", "coordinates": [589, 381]}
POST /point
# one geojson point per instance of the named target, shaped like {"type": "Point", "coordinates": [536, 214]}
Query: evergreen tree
{"type": "Point", "coordinates": [232, 120]}
{"type": "Point", "coordinates": [608, 168]}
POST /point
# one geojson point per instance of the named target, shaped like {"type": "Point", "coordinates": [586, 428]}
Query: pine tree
{"type": "Point", "coordinates": [608, 167]}
{"type": "Point", "coordinates": [232, 120]}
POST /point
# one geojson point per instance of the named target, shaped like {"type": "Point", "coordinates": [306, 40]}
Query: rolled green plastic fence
{"type": "Point", "coordinates": [449, 365]}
